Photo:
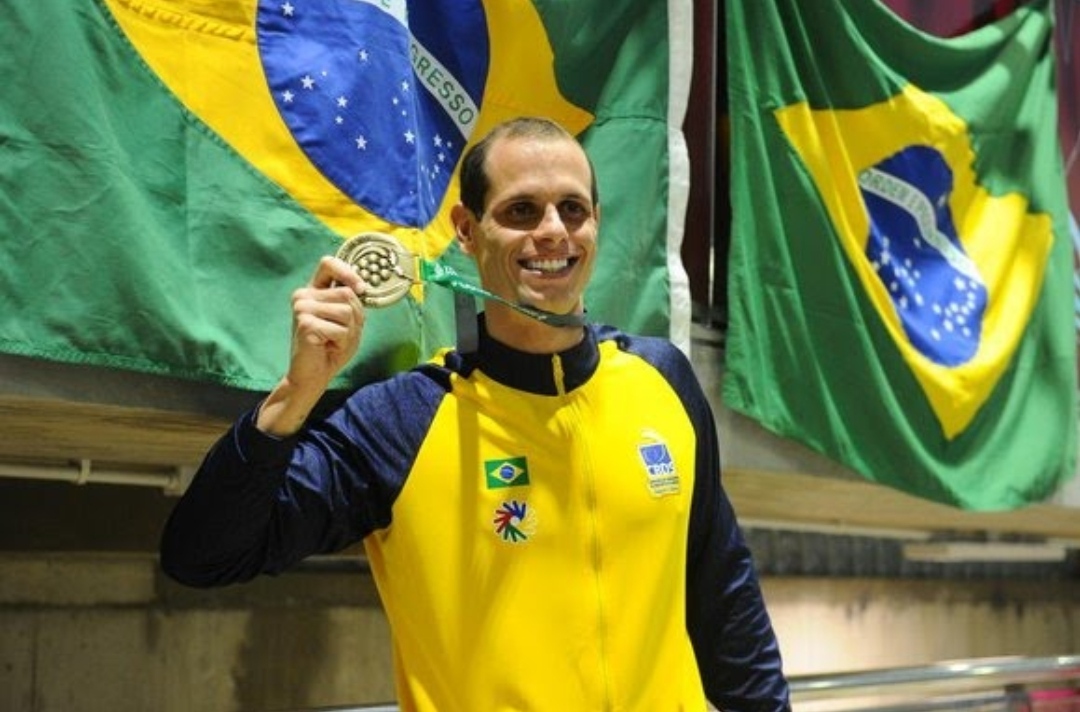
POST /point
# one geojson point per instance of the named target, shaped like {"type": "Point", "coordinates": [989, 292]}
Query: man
{"type": "Point", "coordinates": [543, 516]}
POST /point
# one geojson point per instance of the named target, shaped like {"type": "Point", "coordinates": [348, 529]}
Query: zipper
{"type": "Point", "coordinates": [579, 429]}
{"type": "Point", "coordinates": [558, 374]}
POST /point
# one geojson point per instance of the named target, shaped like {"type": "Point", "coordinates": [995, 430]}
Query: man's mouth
{"type": "Point", "coordinates": [549, 266]}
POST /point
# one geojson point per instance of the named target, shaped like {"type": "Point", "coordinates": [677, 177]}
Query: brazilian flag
{"type": "Point", "coordinates": [901, 268]}
{"type": "Point", "coordinates": [171, 171]}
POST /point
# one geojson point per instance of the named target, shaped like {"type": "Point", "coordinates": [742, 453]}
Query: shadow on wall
{"type": "Point", "coordinates": [284, 659]}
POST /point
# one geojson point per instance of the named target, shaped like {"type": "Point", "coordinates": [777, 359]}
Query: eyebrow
{"type": "Point", "coordinates": [533, 196]}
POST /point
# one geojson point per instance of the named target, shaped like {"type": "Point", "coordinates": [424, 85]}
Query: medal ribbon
{"type": "Point", "coordinates": [444, 276]}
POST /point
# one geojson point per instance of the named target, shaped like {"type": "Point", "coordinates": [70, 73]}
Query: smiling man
{"type": "Point", "coordinates": [529, 216]}
{"type": "Point", "coordinates": [543, 515]}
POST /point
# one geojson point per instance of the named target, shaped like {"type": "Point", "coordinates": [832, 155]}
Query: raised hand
{"type": "Point", "coordinates": [328, 321]}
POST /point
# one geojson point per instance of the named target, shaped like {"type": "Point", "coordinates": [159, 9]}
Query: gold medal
{"type": "Point", "coordinates": [388, 269]}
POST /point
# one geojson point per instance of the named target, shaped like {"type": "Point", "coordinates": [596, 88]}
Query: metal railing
{"type": "Point", "coordinates": [1049, 684]}
{"type": "Point", "coordinates": [1007, 684]}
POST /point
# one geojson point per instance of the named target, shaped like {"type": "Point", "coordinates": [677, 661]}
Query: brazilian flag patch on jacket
{"type": "Point", "coordinates": [506, 472]}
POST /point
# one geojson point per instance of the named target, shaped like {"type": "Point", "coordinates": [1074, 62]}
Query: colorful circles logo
{"type": "Point", "coordinates": [515, 521]}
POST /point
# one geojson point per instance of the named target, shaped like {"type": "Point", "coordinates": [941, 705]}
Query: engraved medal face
{"type": "Point", "coordinates": [383, 263]}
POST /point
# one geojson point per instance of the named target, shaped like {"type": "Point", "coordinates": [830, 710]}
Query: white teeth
{"type": "Point", "coordinates": [547, 265]}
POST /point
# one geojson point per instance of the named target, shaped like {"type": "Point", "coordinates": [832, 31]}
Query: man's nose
{"type": "Point", "coordinates": [551, 225]}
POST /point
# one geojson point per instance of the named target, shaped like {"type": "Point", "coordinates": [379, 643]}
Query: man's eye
{"type": "Point", "coordinates": [521, 212]}
{"type": "Point", "coordinates": [574, 211]}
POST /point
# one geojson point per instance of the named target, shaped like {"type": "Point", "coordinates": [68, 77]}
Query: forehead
{"type": "Point", "coordinates": [531, 164]}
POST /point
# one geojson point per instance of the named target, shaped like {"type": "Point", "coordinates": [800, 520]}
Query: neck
{"type": "Point", "coordinates": [526, 334]}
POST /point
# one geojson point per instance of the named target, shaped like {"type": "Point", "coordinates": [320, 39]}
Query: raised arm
{"type": "Point", "coordinates": [239, 518]}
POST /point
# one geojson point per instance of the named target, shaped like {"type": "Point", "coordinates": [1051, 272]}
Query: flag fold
{"type": "Point", "coordinates": [900, 272]}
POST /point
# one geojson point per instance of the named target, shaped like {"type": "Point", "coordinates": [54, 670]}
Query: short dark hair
{"type": "Point", "coordinates": [474, 180]}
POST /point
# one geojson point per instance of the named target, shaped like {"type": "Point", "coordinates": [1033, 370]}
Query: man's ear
{"type": "Point", "coordinates": [463, 222]}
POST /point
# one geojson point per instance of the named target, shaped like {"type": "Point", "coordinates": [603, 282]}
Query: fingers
{"type": "Point", "coordinates": [328, 312]}
{"type": "Point", "coordinates": [328, 321]}
{"type": "Point", "coordinates": [335, 271]}
{"type": "Point", "coordinates": [327, 324]}
{"type": "Point", "coordinates": [333, 295]}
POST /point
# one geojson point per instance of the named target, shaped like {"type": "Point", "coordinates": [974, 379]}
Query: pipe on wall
{"type": "Point", "coordinates": [84, 472]}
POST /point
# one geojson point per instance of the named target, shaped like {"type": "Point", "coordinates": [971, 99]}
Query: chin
{"type": "Point", "coordinates": [555, 304]}
{"type": "Point", "coordinates": [557, 307]}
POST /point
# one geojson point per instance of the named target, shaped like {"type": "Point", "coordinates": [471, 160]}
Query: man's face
{"type": "Point", "coordinates": [536, 242]}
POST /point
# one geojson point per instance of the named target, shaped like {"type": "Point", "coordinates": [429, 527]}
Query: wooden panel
{"type": "Point", "coordinates": [43, 429]}
{"type": "Point", "coordinates": [831, 502]}
{"type": "Point", "coordinates": [46, 431]}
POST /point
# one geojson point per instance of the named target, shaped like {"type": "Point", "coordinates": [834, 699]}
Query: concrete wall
{"type": "Point", "coordinates": [107, 633]}
{"type": "Point", "coordinates": [837, 625]}
{"type": "Point", "coordinates": [110, 634]}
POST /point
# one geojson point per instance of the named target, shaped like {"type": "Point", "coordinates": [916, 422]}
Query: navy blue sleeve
{"type": "Point", "coordinates": [259, 504]}
{"type": "Point", "coordinates": [736, 648]}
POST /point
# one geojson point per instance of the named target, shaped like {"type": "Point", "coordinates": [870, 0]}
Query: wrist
{"type": "Point", "coordinates": [286, 408]}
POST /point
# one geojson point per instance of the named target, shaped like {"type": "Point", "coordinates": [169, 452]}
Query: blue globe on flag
{"type": "Point", "coordinates": [382, 101]}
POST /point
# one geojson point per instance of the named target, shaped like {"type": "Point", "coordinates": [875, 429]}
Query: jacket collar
{"type": "Point", "coordinates": [538, 373]}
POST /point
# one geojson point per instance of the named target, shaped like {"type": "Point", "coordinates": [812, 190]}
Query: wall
{"type": "Point", "coordinates": [107, 633]}
{"type": "Point", "coordinates": [837, 625]}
